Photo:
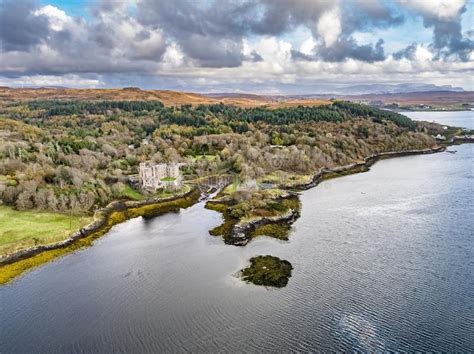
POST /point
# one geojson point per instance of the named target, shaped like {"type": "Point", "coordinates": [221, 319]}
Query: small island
{"type": "Point", "coordinates": [267, 271]}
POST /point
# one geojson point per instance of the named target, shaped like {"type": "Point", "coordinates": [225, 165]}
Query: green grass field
{"type": "Point", "coordinates": [230, 189]}
{"type": "Point", "coordinates": [200, 157]}
{"type": "Point", "coordinates": [131, 193]}
{"type": "Point", "coordinates": [23, 229]}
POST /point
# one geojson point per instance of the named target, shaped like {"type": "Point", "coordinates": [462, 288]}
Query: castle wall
{"type": "Point", "coordinates": [150, 176]}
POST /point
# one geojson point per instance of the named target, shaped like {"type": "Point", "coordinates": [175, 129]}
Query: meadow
{"type": "Point", "coordinates": [23, 229]}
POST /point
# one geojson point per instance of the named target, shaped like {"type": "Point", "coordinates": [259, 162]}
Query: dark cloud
{"type": "Point", "coordinates": [230, 18]}
{"type": "Point", "coordinates": [181, 18]}
{"type": "Point", "coordinates": [407, 53]}
{"type": "Point", "coordinates": [254, 57]}
{"type": "Point", "coordinates": [109, 42]}
{"type": "Point", "coordinates": [20, 29]}
{"type": "Point", "coordinates": [363, 15]}
{"type": "Point", "coordinates": [213, 52]}
{"type": "Point", "coordinates": [205, 32]}
{"type": "Point", "coordinates": [448, 39]}
{"type": "Point", "coordinates": [343, 49]}
{"type": "Point", "coordinates": [356, 15]}
{"type": "Point", "coordinates": [279, 16]}
{"type": "Point", "coordinates": [297, 55]}
{"type": "Point", "coordinates": [210, 35]}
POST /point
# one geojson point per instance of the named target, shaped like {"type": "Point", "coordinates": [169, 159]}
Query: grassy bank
{"type": "Point", "coordinates": [23, 229]}
{"type": "Point", "coordinates": [125, 212]}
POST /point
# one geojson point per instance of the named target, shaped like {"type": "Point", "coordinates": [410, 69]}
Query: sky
{"type": "Point", "coordinates": [259, 46]}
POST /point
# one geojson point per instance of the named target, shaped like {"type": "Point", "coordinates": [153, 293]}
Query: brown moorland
{"type": "Point", "coordinates": [169, 98]}
{"type": "Point", "coordinates": [175, 98]}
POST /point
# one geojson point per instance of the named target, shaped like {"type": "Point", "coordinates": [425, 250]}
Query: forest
{"type": "Point", "coordinates": [76, 156]}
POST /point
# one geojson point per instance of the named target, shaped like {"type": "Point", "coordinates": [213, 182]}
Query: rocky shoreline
{"type": "Point", "coordinates": [326, 173]}
{"type": "Point", "coordinates": [462, 139]}
{"type": "Point", "coordinates": [240, 233]}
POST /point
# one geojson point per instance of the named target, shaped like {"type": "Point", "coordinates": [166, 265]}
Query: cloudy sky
{"type": "Point", "coordinates": [267, 46]}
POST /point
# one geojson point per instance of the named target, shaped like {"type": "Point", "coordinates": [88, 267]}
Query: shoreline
{"type": "Point", "coordinates": [327, 173]}
{"type": "Point", "coordinates": [433, 110]}
{"type": "Point", "coordinates": [240, 233]}
{"type": "Point", "coordinates": [116, 212]}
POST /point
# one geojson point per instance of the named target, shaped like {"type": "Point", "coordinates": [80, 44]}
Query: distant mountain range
{"type": "Point", "coordinates": [395, 88]}
{"type": "Point", "coordinates": [344, 90]}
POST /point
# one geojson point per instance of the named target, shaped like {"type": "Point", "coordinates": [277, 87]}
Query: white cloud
{"type": "Point", "coordinates": [423, 54]}
{"type": "Point", "coordinates": [440, 9]}
{"type": "Point", "coordinates": [173, 57]}
{"type": "Point", "coordinates": [307, 46]}
{"type": "Point", "coordinates": [275, 53]}
{"type": "Point", "coordinates": [329, 26]}
{"type": "Point", "coordinates": [69, 80]}
{"type": "Point", "coordinates": [278, 68]}
{"type": "Point", "coordinates": [57, 18]}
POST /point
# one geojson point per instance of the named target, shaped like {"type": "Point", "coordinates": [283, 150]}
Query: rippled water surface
{"type": "Point", "coordinates": [382, 261]}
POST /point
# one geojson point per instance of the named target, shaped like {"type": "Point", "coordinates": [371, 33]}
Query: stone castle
{"type": "Point", "coordinates": [159, 176]}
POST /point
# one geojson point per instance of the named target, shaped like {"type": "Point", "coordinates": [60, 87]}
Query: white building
{"type": "Point", "coordinates": [159, 176]}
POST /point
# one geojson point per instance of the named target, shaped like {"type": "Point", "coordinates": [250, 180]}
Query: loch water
{"type": "Point", "coordinates": [462, 119]}
{"type": "Point", "coordinates": [383, 260]}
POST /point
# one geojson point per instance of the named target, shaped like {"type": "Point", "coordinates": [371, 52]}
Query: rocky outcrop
{"type": "Point", "coordinates": [462, 139]}
{"type": "Point", "coordinates": [240, 233]}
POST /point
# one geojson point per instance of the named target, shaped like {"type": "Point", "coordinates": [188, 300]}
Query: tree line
{"type": "Point", "coordinates": [236, 117]}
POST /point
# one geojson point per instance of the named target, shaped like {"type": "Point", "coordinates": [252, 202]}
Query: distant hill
{"type": "Point", "coordinates": [431, 98]}
{"type": "Point", "coordinates": [129, 93]}
{"type": "Point", "coordinates": [395, 88]}
{"type": "Point", "coordinates": [440, 98]}
{"type": "Point", "coordinates": [169, 98]}
{"type": "Point", "coordinates": [450, 99]}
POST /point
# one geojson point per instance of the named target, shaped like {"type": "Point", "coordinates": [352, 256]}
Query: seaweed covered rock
{"type": "Point", "coordinates": [263, 212]}
{"type": "Point", "coordinates": [267, 271]}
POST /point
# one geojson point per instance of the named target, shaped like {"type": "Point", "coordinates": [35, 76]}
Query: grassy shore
{"type": "Point", "coordinates": [24, 229]}
{"type": "Point", "coordinates": [13, 270]}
